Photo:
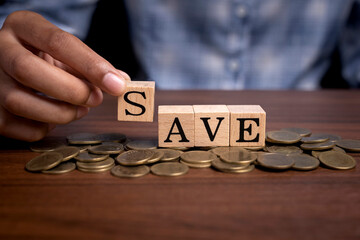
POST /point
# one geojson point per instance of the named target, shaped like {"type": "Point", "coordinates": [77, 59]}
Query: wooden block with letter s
{"type": "Point", "coordinates": [137, 103]}
{"type": "Point", "coordinates": [247, 125]}
{"type": "Point", "coordinates": [176, 126]}
{"type": "Point", "coordinates": [211, 125]}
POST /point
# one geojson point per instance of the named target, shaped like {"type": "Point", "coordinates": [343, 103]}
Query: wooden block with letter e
{"type": "Point", "coordinates": [176, 126]}
{"type": "Point", "coordinates": [137, 104]}
{"type": "Point", "coordinates": [211, 125]}
{"type": "Point", "coordinates": [247, 125]}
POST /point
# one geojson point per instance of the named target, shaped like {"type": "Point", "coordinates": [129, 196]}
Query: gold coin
{"type": "Point", "coordinates": [304, 162]}
{"type": "Point", "coordinates": [283, 137]}
{"type": "Point", "coordinates": [170, 154]}
{"type": "Point", "coordinates": [196, 165]}
{"type": "Point", "coordinates": [303, 132]}
{"type": "Point", "coordinates": [157, 156]}
{"type": "Point", "coordinates": [64, 167]}
{"type": "Point", "coordinates": [316, 154]}
{"type": "Point", "coordinates": [247, 169]}
{"type": "Point", "coordinates": [44, 161]}
{"type": "Point", "coordinates": [238, 157]}
{"type": "Point", "coordinates": [134, 157]}
{"type": "Point", "coordinates": [96, 165]}
{"type": "Point", "coordinates": [47, 144]}
{"type": "Point", "coordinates": [337, 160]}
{"type": "Point", "coordinates": [112, 137]}
{"type": "Point", "coordinates": [89, 157]}
{"type": "Point", "coordinates": [275, 161]}
{"type": "Point", "coordinates": [169, 169]}
{"type": "Point", "coordinates": [198, 156]}
{"type": "Point", "coordinates": [225, 166]}
{"type": "Point", "coordinates": [96, 170]}
{"type": "Point", "coordinates": [317, 146]}
{"type": "Point", "coordinates": [141, 145]}
{"type": "Point", "coordinates": [220, 150]}
{"type": "Point", "coordinates": [349, 145]}
{"type": "Point", "coordinates": [254, 148]}
{"type": "Point", "coordinates": [314, 139]}
{"type": "Point", "coordinates": [321, 138]}
{"type": "Point", "coordinates": [284, 149]}
{"type": "Point", "coordinates": [83, 138]}
{"type": "Point", "coordinates": [107, 149]}
{"type": "Point", "coordinates": [180, 148]}
{"type": "Point", "coordinates": [130, 172]}
{"type": "Point", "coordinates": [68, 152]}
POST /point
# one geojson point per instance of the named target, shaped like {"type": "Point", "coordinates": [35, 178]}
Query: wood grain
{"type": "Point", "coordinates": [204, 204]}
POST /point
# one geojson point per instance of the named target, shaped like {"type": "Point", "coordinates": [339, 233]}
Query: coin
{"type": "Point", "coordinates": [141, 145]}
{"type": "Point", "coordinates": [314, 139]}
{"type": "Point", "coordinates": [349, 145]}
{"type": "Point", "coordinates": [89, 157]}
{"type": "Point", "coordinates": [169, 154]}
{"type": "Point", "coordinates": [44, 161]}
{"type": "Point", "coordinates": [107, 149]}
{"type": "Point", "coordinates": [130, 172]}
{"type": "Point", "coordinates": [220, 150]}
{"type": "Point", "coordinates": [303, 132]}
{"type": "Point", "coordinates": [304, 162]}
{"type": "Point", "coordinates": [275, 161]}
{"type": "Point", "coordinates": [83, 138]}
{"type": "Point", "coordinates": [157, 156]}
{"type": "Point", "coordinates": [321, 137]}
{"type": "Point", "coordinates": [68, 152]}
{"type": "Point", "coordinates": [283, 137]}
{"type": "Point", "coordinates": [112, 137]}
{"type": "Point", "coordinates": [170, 169]}
{"type": "Point", "coordinates": [284, 149]}
{"type": "Point", "coordinates": [224, 166]}
{"type": "Point", "coordinates": [47, 144]}
{"type": "Point", "coordinates": [238, 157]}
{"type": "Point", "coordinates": [83, 148]}
{"type": "Point", "coordinates": [198, 156]}
{"type": "Point", "coordinates": [134, 157]}
{"type": "Point", "coordinates": [316, 154]}
{"type": "Point", "coordinates": [196, 165]}
{"type": "Point", "coordinates": [254, 148]}
{"type": "Point", "coordinates": [317, 146]}
{"type": "Point", "coordinates": [64, 167]}
{"type": "Point", "coordinates": [337, 160]}
{"type": "Point", "coordinates": [96, 165]}
{"type": "Point", "coordinates": [180, 148]}
{"type": "Point", "coordinates": [247, 169]}
{"type": "Point", "coordinates": [96, 170]}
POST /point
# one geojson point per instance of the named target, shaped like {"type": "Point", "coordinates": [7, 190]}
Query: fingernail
{"type": "Point", "coordinates": [124, 75]}
{"type": "Point", "coordinates": [81, 111]}
{"type": "Point", "coordinates": [113, 84]}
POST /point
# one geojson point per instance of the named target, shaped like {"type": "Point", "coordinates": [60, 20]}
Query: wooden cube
{"type": "Point", "coordinates": [176, 126]}
{"type": "Point", "coordinates": [211, 125]}
{"type": "Point", "coordinates": [247, 125]}
{"type": "Point", "coordinates": [137, 104]}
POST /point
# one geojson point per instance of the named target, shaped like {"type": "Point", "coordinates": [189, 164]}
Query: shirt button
{"type": "Point", "coordinates": [234, 65]}
{"type": "Point", "coordinates": [241, 11]}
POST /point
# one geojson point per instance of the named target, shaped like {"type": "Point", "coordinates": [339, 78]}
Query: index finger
{"type": "Point", "coordinates": [36, 31]}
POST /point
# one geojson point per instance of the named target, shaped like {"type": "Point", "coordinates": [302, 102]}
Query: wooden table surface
{"type": "Point", "coordinates": [204, 204]}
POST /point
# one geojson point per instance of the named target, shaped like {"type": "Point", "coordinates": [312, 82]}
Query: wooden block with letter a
{"type": "Point", "coordinates": [176, 126]}
{"type": "Point", "coordinates": [137, 103]}
{"type": "Point", "coordinates": [247, 125]}
{"type": "Point", "coordinates": [211, 125]}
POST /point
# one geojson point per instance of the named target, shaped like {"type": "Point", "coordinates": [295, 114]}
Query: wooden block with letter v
{"type": "Point", "coordinates": [247, 125]}
{"type": "Point", "coordinates": [176, 126]}
{"type": "Point", "coordinates": [137, 104]}
{"type": "Point", "coordinates": [211, 125]}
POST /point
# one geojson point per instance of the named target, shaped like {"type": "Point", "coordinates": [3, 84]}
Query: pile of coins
{"type": "Point", "coordinates": [290, 148]}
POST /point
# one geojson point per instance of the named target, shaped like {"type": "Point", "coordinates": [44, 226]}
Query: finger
{"type": "Point", "coordinates": [40, 33]}
{"type": "Point", "coordinates": [25, 103]}
{"type": "Point", "coordinates": [34, 72]}
{"type": "Point", "coordinates": [20, 128]}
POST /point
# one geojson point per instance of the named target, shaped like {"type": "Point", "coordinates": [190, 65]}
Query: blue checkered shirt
{"type": "Point", "coordinates": [231, 44]}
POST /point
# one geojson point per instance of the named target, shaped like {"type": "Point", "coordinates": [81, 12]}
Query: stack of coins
{"type": "Point", "coordinates": [288, 148]}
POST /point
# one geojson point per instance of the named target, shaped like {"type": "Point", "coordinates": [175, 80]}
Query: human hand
{"type": "Point", "coordinates": [48, 77]}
